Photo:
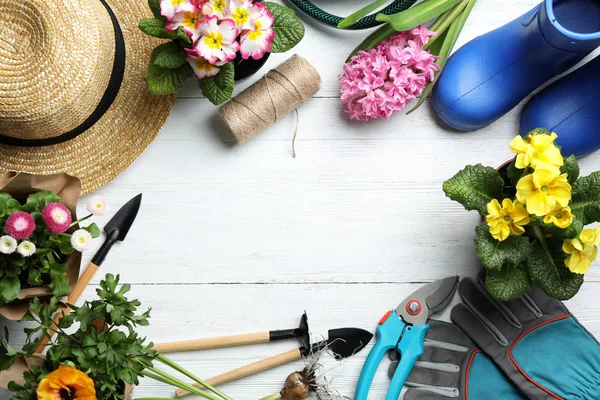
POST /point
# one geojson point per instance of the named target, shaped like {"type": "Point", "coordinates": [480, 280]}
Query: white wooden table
{"type": "Point", "coordinates": [238, 239]}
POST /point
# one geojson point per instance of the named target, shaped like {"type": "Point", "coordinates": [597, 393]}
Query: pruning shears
{"type": "Point", "coordinates": [403, 331]}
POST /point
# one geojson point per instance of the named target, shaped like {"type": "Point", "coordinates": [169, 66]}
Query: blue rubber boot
{"type": "Point", "coordinates": [571, 108]}
{"type": "Point", "coordinates": [490, 75]}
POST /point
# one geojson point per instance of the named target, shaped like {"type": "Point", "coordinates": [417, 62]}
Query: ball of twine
{"type": "Point", "coordinates": [277, 93]}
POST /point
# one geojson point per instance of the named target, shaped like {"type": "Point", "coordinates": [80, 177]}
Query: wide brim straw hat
{"type": "Point", "coordinates": [72, 92]}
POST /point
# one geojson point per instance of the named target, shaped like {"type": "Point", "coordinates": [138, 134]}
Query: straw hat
{"type": "Point", "coordinates": [72, 92]}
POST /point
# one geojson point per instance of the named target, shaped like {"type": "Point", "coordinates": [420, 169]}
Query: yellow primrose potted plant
{"type": "Point", "coordinates": [93, 353]}
{"type": "Point", "coordinates": [535, 211]}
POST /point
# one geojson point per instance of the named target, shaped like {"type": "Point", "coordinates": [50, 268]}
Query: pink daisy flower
{"type": "Point", "coordinates": [20, 225]}
{"type": "Point", "coordinates": [168, 8]}
{"type": "Point", "coordinates": [188, 20]}
{"type": "Point", "coordinates": [380, 81]}
{"type": "Point", "coordinates": [57, 217]}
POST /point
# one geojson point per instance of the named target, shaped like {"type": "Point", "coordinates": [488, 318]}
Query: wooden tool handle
{"type": "Point", "coordinates": [213, 343]}
{"type": "Point", "coordinates": [76, 292]}
{"type": "Point", "coordinates": [248, 370]}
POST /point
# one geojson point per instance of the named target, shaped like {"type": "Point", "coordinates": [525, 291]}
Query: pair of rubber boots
{"type": "Point", "coordinates": [493, 73]}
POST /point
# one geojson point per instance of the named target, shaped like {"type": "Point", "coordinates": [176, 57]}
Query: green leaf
{"type": "Point", "coordinates": [474, 187]}
{"type": "Point", "coordinates": [546, 266]}
{"type": "Point", "coordinates": [93, 230]}
{"type": "Point", "coordinates": [494, 254]}
{"type": "Point", "coordinates": [571, 168]}
{"type": "Point", "coordinates": [4, 198]}
{"type": "Point", "coordinates": [155, 7]}
{"type": "Point", "coordinates": [58, 276]}
{"type": "Point", "coordinates": [161, 81]}
{"type": "Point", "coordinates": [571, 232]}
{"type": "Point", "coordinates": [509, 283]}
{"type": "Point", "coordinates": [363, 12]}
{"type": "Point", "coordinates": [585, 198]}
{"type": "Point", "coordinates": [180, 33]}
{"type": "Point", "coordinates": [288, 28]}
{"type": "Point", "coordinates": [37, 201]}
{"type": "Point", "coordinates": [417, 15]}
{"type": "Point", "coordinates": [9, 289]}
{"type": "Point", "coordinates": [514, 173]}
{"type": "Point", "coordinates": [34, 277]}
{"type": "Point", "coordinates": [169, 55]}
{"type": "Point", "coordinates": [156, 27]}
{"type": "Point", "coordinates": [219, 88]}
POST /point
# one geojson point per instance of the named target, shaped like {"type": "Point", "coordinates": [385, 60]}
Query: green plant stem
{"type": "Point", "coordinates": [193, 377]}
{"type": "Point", "coordinates": [418, 14]}
{"type": "Point", "coordinates": [435, 26]}
{"type": "Point", "coordinates": [382, 33]}
{"type": "Point", "coordinates": [275, 396]}
{"type": "Point", "coordinates": [80, 220]}
{"type": "Point", "coordinates": [451, 37]}
{"type": "Point", "coordinates": [355, 16]}
{"type": "Point", "coordinates": [444, 25]}
{"type": "Point", "coordinates": [172, 381]}
{"type": "Point", "coordinates": [539, 234]}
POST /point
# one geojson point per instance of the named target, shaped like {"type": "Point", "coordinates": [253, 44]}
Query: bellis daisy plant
{"type": "Point", "coordinates": [382, 80]}
{"type": "Point", "coordinates": [534, 210]}
{"type": "Point", "coordinates": [98, 357]}
{"type": "Point", "coordinates": [211, 39]}
{"type": "Point", "coordinates": [36, 241]}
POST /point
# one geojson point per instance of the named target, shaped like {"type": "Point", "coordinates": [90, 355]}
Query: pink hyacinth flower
{"type": "Point", "coordinates": [217, 43]}
{"type": "Point", "coordinates": [168, 8]}
{"type": "Point", "coordinates": [57, 217]}
{"type": "Point", "coordinates": [20, 225]}
{"type": "Point", "coordinates": [256, 42]}
{"type": "Point", "coordinates": [380, 81]}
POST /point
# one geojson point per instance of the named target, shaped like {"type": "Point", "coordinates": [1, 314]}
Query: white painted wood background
{"type": "Point", "coordinates": [237, 239]}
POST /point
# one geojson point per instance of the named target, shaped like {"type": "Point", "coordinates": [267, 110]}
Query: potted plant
{"type": "Point", "coordinates": [535, 211]}
{"type": "Point", "coordinates": [217, 41]}
{"type": "Point", "coordinates": [40, 239]}
{"type": "Point", "coordinates": [101, 357]}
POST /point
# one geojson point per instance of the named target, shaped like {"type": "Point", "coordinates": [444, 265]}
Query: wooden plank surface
{"type": "Point", "coordinates": [237, 239]}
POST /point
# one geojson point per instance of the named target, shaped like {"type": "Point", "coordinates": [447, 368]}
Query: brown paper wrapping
{"type": "Point", "coordinates": [68, 189]}
{"type": "Point", "coordinates": [15, 373]}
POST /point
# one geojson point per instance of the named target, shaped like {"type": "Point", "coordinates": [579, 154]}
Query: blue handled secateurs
{"type": "Point", "coordinates": [403, 330]}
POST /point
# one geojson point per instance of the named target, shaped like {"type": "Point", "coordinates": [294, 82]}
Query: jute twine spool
{"type": "Point", "coordinates": [277, 93]}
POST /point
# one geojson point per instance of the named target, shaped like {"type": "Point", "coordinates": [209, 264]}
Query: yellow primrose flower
{"type": "Point", "coordinates": [544, 190]}
{"type": "Point", "coordinates": [506, 219]}
{"type": "Point", "coordinates": [535, 150]}
{"type": "Point", "coordinates": [582, 251]}
{"type": "Point", "coordinates": [561, 217]}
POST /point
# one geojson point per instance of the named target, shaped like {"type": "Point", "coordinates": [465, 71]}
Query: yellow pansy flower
{"type": "Point", "coordinates": [561, 217]}
{"type": "Point", "coordinates": [582, 251]}
{"type": "Point", "coordinates": [506, 219]}
{"type": "Point", "coordinates": [544, 190]}
{"type": "Point", "coordinates": [535, 150]}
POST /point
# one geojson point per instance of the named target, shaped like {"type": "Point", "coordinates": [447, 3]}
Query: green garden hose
{"type": "Point", "coordinates": [364, 23]}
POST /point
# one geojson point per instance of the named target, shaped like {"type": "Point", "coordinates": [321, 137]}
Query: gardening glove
{"type": "Point", "coordinates": [453, 367]}
{"type": "Point", "coordinates": [535, 340]}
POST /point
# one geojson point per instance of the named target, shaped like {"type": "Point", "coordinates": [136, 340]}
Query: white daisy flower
{"type": "Point", "coordinates": [81, 239]}
{"type": "Point", "coordinates": [8, 244]}
{"type": "Point", "coordinates": [97, 206]}
{"type": "Point", "coordinates": [217, 8]}
{"type": "Point", "coordinates": [256, 42]}
{"type": "Point", "coordinates": [243, 13]}
{"type": "Point", "coordinates": [26, 248]}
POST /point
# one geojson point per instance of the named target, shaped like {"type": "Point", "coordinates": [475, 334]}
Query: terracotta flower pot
{"type": "Point", "coordinates": [20, 186]}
